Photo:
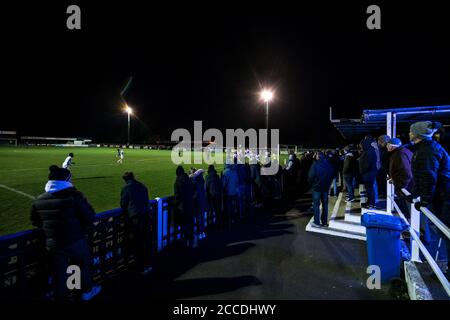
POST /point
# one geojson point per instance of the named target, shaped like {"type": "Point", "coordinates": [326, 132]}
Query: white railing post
{"type": "Point", "coordinates": [389, 194]}
{"type": "Point", "coordinates": [160, 223]}
{"type": "Point", "coordinates": [415, 226]}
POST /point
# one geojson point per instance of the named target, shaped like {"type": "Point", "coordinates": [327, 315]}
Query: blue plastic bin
{"type": "Point", "coordinates": [383, 243]}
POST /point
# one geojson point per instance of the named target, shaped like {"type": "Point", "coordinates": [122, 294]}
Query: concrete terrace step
{"type": "Point", "coordinates": [339, 232]}
{"type": "Point", "coordinates": [353, 227]}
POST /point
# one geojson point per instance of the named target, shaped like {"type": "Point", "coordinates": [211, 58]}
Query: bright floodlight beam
{"type": "Point", "coordinates": [267, 96]}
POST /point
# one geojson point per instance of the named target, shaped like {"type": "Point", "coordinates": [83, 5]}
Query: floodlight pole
{"type": "Point", "coordinates": [128, 128]}
{"type": "Point", "coordinates": [267, 115]}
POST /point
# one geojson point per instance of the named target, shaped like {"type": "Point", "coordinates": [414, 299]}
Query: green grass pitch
{"type": "Point", "coordinates": [96, 173]}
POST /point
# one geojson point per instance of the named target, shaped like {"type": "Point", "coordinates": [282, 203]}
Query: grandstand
{"type": "Point", "coordinates": [8, 138]}
{"type": "Point", "coordinates": [53, 141]}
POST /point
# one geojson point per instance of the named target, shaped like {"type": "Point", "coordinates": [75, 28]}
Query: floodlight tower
{"type": "Point", "coordinates": [129, 111]}
{"type": "Point", "coordinates": [267, 96]}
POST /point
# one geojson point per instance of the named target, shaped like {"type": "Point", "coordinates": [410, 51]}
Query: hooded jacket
{"type": "Point", "coordinates": [63, 214]}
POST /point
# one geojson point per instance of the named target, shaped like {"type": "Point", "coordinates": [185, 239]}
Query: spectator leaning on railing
{"type": "Point", "coordinates": [64, 215]}
{"type": "Point", "coordinates": [399, 170]}
{"type": "Point", "coordinates": [184, 205]}
{"type": "Point", "coordinates": [431, 172]}
{"type": "Point", "coordinates": [134, 201]}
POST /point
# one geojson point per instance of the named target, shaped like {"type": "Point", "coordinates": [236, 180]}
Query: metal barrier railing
{"type": "Point", "coordinates": [417, 245]}
{"type": "Point", "coordinates": [23, 272]}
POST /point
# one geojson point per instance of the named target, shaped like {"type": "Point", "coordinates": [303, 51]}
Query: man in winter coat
{"type": "Point", "coordinates": [214, 193]}
{"type": "Point", "coordinates": [184, 205]}
{"type": "Point", "coordinates": [320, 176]}
{"type": "Point", "coordinates": [135, 203]}
{"type": "Point", "coordinates": [431, 172]}
{"type": "Point", "coordinates": [368, 170]}
{"type": "Point", "coordinates": [400, 172]}
{"type": "Point", "coordinates": [196, 176]}
{"type": "Point", "coordinates": [384, 164]}
{"type": "Point", "coordinates": [64, 215]}
{"type": "Point", "coordinates": [230, 184]}
{"type": "Point", "coordinates": [349, 172]}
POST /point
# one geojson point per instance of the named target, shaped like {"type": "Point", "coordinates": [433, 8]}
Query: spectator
{"type": "Point", "coordinates": [384, 164]}
{"type": "Point", "coordinates": [431, 172]}
{"type": "Point", "coordinates": [319, 178]}
{"type": "Point", "coordinates": [349, 172]}
{"type": "Point", "coordinates": [292, 172]}
{"type": "Point", "coordinates": [255, 176]}
{"type": "Point", "coordinates": [64, 215]}
{"type": "Point", "coordinates": [374, 144]}
{"type": "Point", "coordinates": [443, 138]}
{"type": "Point", "coordinates": [214, 194]}
{"type": "Point", "coordinates": [230, 186]}
{"type": "Point", "coordinates": [368, 170]}
{"type": "Point", "coordinates": [200, 201]}
{"type": "Point", "coordinates": [184, 205]}
{"type": "Point", "coordinates": [135, 203]}
{"type": "Point", "coordinates": [333, 160]}
{"type": "Point", "coordinates": [400, 173]}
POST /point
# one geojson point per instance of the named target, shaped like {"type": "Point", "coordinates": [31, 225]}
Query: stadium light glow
{"type": "Point", "coordinates": [266, 95]}
{"type": "Point", "coordinates": [128, 110]}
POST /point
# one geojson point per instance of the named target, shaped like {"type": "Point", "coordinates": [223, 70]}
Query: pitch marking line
{"type": "Point", "coordinates": [17, 191]}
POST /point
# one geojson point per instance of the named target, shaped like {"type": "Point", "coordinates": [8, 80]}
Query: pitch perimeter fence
{"type": "Point", "coordinates": [23, 267]}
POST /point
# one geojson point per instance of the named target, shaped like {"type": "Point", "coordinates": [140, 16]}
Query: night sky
{"type": "Point", "coordinates": [207, 61]}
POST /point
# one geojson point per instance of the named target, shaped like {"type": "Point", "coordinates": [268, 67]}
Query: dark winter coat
{"type": "Point", "coordinates": [134, 199]}
{"type": "Point", "coordinates": [200, 201]}
{"type": "Point", "coordinates": [431, 171]}
{"type": "Point", "coordinates": [213, 185]}
{"type": "Point", "coordinates": [184, 195]}
{"type": "Point", "coordinates": [400, 169]}
{"type": "Point", "coordinates": [350, 168]}
{"type": "Point", "coordinates": [320, 176]}
{"type": "Point", "coordinates": [64, 216]}
{"type": "Point", "coordinates": [368, 162]}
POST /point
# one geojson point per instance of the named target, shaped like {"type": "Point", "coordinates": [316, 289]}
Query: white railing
{"type": "Point", "coordinates": [416, 244]}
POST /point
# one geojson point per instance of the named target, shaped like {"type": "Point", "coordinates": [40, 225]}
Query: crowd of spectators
{"type": "Point", "coordinates": [421, 166]}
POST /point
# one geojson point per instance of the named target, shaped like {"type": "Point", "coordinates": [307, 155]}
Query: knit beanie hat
{"type": "Point", "coordinates": [57, 173]}
{"type": "Point", "coordinates": [424, 129]}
